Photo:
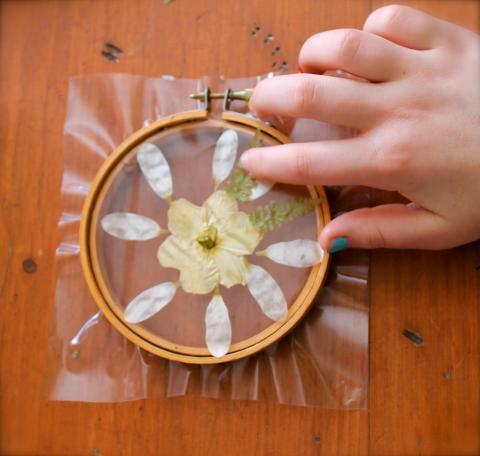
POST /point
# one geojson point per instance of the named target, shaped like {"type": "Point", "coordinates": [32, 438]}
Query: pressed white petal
{"type": "Point", "coordinates": [156, 170]}
{"type": "Point", "coordinates": [149, 302]}
{"type": "Point", "coordinates": [131, 227]}
{"type": "Point", "coordinates": [218, 334]}
{"type": "Point", "coordinates": [177, 253]}
{"type": "Point", "coordinates": [198, 272]}
{"type": "Point", "coordinates": [238, 235]}
{"type": "Point", "coordinates": [185, 219]}
{"type": "Point", "coordinates": [300, 253]}
{"type": "Point", "coordinates": [225, 155]}
{"type": "Point", "coordinates": [267, 293]}
{"type": "Point", "coordinates": [198, 279]}
{"type": "Point", "coordinates": [261, 189]}
{"type": "Point", "coordinates": [220, 205]}
{"type": "Point", "coordinates": [231, 267]}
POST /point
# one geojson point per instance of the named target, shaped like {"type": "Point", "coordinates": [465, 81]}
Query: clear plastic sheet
{"type": "Point", "coordinates": [322, 362]}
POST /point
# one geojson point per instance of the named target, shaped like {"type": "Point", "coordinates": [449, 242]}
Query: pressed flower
{"type": "Point", "coordinates": [207, 244]}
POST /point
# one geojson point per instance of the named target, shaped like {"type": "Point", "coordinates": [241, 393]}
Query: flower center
{"type": "Point", "coordinates": [208, 239]}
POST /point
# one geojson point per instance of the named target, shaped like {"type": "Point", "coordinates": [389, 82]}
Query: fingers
{"type": "Point", "coordinates": [362, 54]}
{"type": "Point", "coordinates": [335, 100]}
{"type": "Point", "coordinates": [410, 28]}
{"type": "Point", "coordinates": [339, 162]}
{"type": "Point", "coordinates": [388, 226]}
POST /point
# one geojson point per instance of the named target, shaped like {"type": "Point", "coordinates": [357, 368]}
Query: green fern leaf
{"type": "Point", "coordinates": [277, 213]}
{"type": "Point", "coordinates": [240, 184]}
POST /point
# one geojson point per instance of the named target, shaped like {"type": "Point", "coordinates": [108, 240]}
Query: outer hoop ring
{"type": "Point", "coordinates": [99, 290]}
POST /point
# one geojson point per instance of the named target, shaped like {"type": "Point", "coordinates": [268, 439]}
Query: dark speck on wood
{"type": "Point", "coordinates": [112, 52]}
{"type": "Point", "coordinates": [448, 374]}
{"type": "Point", "coordinates": [110, 56]}
{"type": "Point", "coordinates": [29, 266]}
{"type": "Point", "coordinates": [413, 337]}
{"type": "Point", "coordinates": [113, 48]}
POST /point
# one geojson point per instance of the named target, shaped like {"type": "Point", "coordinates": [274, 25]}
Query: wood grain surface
{"type": "Point", "coordinates": [423, 400]}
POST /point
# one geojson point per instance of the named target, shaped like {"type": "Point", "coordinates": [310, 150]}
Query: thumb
{"type": "Point", "coordinates": [388, 226]}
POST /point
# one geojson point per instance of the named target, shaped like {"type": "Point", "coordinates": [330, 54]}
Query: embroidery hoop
{"type": "Point", "coordinates": [145, 339]}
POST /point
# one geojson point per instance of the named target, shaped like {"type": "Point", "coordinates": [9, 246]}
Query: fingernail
{"type": "Point", "coordinates": [244, 159]}
{"type": "Point", "coordinates": [338, 244]}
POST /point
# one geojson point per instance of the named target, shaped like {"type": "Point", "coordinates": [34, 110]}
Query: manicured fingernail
{"type": "Point", "coordinates": [338, 244]}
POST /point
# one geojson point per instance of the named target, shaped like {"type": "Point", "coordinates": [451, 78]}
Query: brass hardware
{"type": "Point", "coordinates": [228, 96]}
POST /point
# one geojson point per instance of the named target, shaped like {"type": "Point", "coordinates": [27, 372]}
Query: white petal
{"type": "Point", "coordinates": [149, 302]}
{"type": "Point", "coordinates": [156, 170]}
{"type": "Point", "coordinates": [186, 220]}
{"type": "Point", "coordinates": [238, 235]}
{"type": "Point", "coordinates": [260, 189]}
{"type": "Point", "coordinates": [198, 272]}
{"type": "Point", "coordinates": [220, 205]}
{"type": "Point", "coordinates": [224, 156]}
{"type": "Point", "coordinates": [267, 293]}
{"type": "Point", "coordinates": [300, 253]}
{"type": "Point", "coordinates": [231, 267]}
{"type": "Point", "coordinates": [131, 227]}
{"type": "Point", "coordinates": [218, 335]}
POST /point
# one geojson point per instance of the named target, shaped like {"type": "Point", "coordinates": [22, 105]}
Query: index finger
{"type": "Point", "coordinates": [340, 162]}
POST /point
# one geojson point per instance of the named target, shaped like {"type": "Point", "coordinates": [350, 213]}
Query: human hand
{"type": "Point", "coordinates": [417, 114]}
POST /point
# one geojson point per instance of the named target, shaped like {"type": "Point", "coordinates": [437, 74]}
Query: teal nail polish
{"type": "Point", "coordinates": [338, 244]}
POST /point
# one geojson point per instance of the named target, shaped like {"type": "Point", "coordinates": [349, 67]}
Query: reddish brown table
{"type": "Point", "coordinates": [422, 400]}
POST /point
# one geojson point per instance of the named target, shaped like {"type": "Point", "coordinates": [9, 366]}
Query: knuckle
{"type": "Point", "coordinates": [386, 17]}
{"type": "Point", "coordinates": [391, 156]}
{"type": "Point", "coordinates": [349, 44]}
{"type": "Point", "coordinates": [395, 161]}
{"type": "Point", "coordinates": [302, 165]}
{"type": "Point", "coordinates": [376, 238]}
{"type": "Point", "coordinates": [304, 93]}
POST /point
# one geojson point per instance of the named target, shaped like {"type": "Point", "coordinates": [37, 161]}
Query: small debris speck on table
{"type": "Point", "coordinates": [112, 52]}
{"type": "Point", "coordinates": [413, 337]}
{"type": "Point", "coordinates": [448, 374]}
{"type": "Point", "coordinates": [29, 266]}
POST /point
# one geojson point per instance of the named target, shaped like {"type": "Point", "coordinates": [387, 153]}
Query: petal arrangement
{"type": "Point", "coordinates": [208, 244]}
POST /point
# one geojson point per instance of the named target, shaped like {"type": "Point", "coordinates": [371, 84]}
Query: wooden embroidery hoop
{"type": "Point", "coordinates": [89, 249]}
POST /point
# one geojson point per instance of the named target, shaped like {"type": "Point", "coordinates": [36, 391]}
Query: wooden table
{"type": "Point", "coordinates": [422, 400]}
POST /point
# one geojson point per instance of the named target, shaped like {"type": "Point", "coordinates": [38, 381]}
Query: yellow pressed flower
{"type": "Point", "coordinates": [208, 243]}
